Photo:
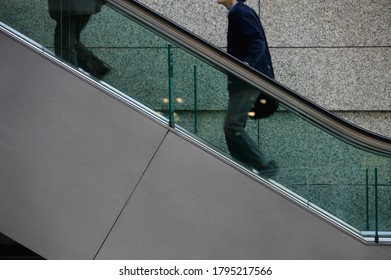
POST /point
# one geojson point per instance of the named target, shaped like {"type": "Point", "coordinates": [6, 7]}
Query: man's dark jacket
{"type": "Point", "coordinates": [65, 8]}
{"type": "Point", "coordinates": [247, 41]}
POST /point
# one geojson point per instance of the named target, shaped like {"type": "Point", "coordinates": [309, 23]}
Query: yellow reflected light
{"type": "Point", "coordinates": [251, 114]}
{"type": "Point", "coordinates": [179, 100]}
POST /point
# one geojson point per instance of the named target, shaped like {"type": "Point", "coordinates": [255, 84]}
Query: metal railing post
{"type": "Point", "coordinates": [376, 211]}
{"type": "Point", "coordinates": [171, 120]}
{"type": "Point", "coordinates": [367, 198]}
{"type": "Point", "coordinates": [195, 101]}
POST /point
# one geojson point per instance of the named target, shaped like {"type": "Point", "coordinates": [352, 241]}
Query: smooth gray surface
{"type": "Point", "coordinates": [70, 155]}
{"type": "Point", "coordinates": [190, 205]}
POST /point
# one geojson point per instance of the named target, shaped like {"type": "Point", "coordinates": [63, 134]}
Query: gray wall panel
{"type": "Point", "coordinates": [70, 155]}
{"type": "Point", "coordinates": [190, 205]}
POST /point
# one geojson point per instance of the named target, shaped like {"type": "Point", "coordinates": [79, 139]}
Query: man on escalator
{"type": "Point", "coordinates": [71, 17]}
{"type": "Point", "coordinates": [246, 41]}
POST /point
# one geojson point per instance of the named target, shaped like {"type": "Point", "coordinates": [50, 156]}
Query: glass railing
{"type": "Point", "coordinates": [189, 92]}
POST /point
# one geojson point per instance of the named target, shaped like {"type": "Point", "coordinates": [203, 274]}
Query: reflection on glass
{"type": "Point", "coordinates": [71, 19]}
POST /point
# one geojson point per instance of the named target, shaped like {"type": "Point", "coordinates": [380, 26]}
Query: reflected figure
{"type": "Point", "coordinates": [246, 41]}
{"type": "Point", "coordinates": [72, 17]}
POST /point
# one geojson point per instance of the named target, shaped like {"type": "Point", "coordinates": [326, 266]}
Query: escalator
{"type": "Point", "coordinates": [135, 166]}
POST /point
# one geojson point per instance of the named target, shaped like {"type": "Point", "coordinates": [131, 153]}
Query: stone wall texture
{"type": "Point", "coordinates": [336, 53]}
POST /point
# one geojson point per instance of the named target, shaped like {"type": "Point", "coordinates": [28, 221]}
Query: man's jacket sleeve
{"type": "Point", "coordinates": [254, 37]}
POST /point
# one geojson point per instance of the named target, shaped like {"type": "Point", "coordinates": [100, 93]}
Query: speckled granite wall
{"type": "Point", "coordinates": [337, 53]}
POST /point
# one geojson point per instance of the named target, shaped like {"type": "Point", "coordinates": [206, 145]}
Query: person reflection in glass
{"type": "Point", "coordinates": [71, 18]}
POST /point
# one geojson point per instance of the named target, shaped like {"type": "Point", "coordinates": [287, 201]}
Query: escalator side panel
{"type": "Point", "coordinates": [70, 156]}
{"type": "Point", "coordinates": [198, 207]}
